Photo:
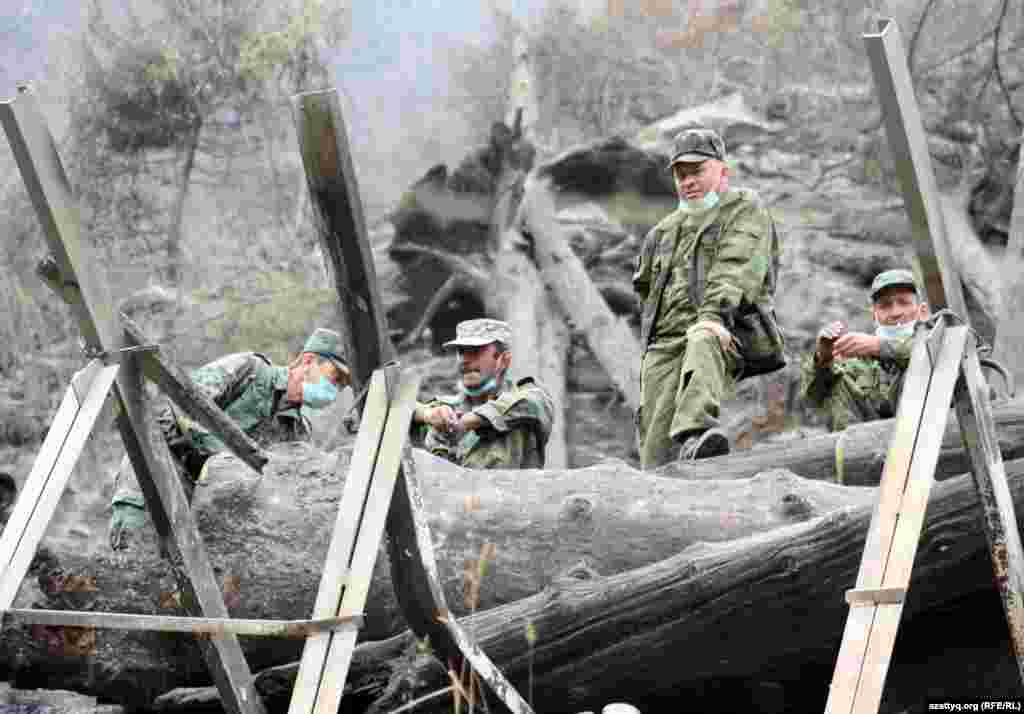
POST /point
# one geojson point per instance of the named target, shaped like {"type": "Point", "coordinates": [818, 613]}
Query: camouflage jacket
{"type": "Point", "coordinates": [736, 239]}
{"type": "Point", "coordinates": [251, 391]}
{"type": "Point", "coordinates": [515, 436]}
{"type": "Point", "coordinates": [857, 389]}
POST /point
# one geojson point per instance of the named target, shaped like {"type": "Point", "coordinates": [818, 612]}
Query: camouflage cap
{"type": "Point", "coordinates": [697, 145]}
{"type": "Point", "coordinates": [891, 278]}
{"type": "Point", "coordinates": [327, 344]}
{"type": "Point", "coordinates": [477, 333]}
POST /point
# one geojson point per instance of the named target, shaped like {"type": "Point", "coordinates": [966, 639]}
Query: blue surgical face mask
{"type": "Point", "coordinates": [709, 201]}
{"type": "Point", "coordinates": [491, 385]}
{"type": "Point", "coordinates": [319, 394]}
{"type": "Point", "coordinates": [895, 332]}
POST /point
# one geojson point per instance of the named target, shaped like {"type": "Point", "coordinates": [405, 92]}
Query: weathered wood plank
{"type": "Point", "coordinates": [909, 149]}
{"type": "Point", "coordinates": [978, 430]}
{"type": "Point", "coordinates": [343, 540]}
{"type": "Point", "coordinates": [899, 560]}
{"type": "Point", "coordinates": [297, 629]}
{"type": "Point", "coordinates": [171, 379]}
{"type": "Point", "coordinates": [371, 530]}
{"type": "Point", "coordinates": [341, 228]}
{"type": "Point", "coordinates": [51, 194]}
{"type": "Point", "coordinates": [49, 480]}
{"type": "Point", "coordinates": [172, 518]}
{"type": "Point", "coordinates": [898, 462]}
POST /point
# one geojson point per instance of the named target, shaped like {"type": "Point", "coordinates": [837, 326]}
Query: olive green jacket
{"type": "Point", "coordinates": [515, 434]}
{"type": "Point", "coordinates": [737, 241]}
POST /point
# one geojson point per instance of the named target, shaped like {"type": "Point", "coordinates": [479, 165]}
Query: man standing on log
{"type": "Point", "coordinates": [492, 423]}
{"type": "Point", "coordinates": [265, 400]}
{"type": "Point", "coordinates": [697, 267]}
{"type": "Point", "coordinates": [855, 376]}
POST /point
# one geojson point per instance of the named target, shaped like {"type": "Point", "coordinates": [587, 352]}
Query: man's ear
{"type": "Point", "coordinates": [923, 311]}
{"type": "Point", "coordinates": [505, 360]}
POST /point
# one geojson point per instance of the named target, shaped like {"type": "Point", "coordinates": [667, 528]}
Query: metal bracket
{"type": "Point", "coordinates": [116, 356]}
{"type": "Point", "coordinates": [875, 596]}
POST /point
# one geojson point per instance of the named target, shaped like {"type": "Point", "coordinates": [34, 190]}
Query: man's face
{"type": "Point", "coordinates": [479, 364]}
{"type": "Point", "coordinates": [898, 305]}
{"type": "Point", "coordinates": [694, 179]}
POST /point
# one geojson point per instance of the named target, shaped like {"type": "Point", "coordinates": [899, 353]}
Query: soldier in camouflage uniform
{"type": "Point", "coordinates": [492, 423]}
{"type": "Point", "coordinates": [855, 376]}
{"type": "Point", "coordinates": [265, 400]}
{"type": "Point", "coordinates": [690, 359]}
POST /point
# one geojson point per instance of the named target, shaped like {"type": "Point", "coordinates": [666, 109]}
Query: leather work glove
{"type": "Point", "coordinates": [125, 517]}
{"type": "Point", "coordinates": [715, 328]}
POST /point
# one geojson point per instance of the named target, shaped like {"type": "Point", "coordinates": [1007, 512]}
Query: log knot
{"type": "Point", "coordinates": [795, 506]}
{"type": "Point", "coordinates": [578, 508]}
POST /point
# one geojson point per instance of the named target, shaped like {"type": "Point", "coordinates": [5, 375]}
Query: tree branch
{"type": "Point", "coordinates": [999, 73]}
{"type": "Point", "coordinates": [912, 49]}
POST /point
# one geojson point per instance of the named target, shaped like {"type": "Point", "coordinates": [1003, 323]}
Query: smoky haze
{"type": "Point", "coordinates": [392, 73]}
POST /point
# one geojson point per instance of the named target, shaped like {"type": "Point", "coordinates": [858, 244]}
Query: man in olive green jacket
{"type": "Point", "coordinates": [690, 358]}
{"type": "Point", "coordinates": [856, 376]}
{"type": "Point", "coordinates": [492, 423]}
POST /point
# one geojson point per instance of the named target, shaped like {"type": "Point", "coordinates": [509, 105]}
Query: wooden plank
{"type": "Point", "coordinates": [48, 187]}
{"type": "Point", "coordinates": [53, 199]}
{"type": "Point", "coordinates": [371, 530]}
{"type": "Point", "coordinates": [294, 629]}
{"type": "Point", "coordinates": [49, 478]}
{"type": "Point", "coordinates": [895, 472]}
{"type": "Point", "coordinates": [977, 427]}
{"type": "Point", "coordinates": [324, 143]}
{"type": "Point", "coordinates": [341, 228]}
{"type": "Point", "coordinates": [172, 380]}
{"type": "Point", "coordinates": [900, 561]}
{"type": "Point", "coordinates": [909, 148]}
{"type": "Point", "coordinates": [172, 518]}
{"type": "Point", "coordinates": [876, 596]}
{"type": "Point", "coordinates": [339, 553]}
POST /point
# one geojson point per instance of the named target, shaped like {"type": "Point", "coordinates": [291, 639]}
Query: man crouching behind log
{"type": "Point", "coordinates": [698, 268]}
{"type": "Point", "coordinates": [855, 376]}
{"type": "Point", "coordinates": [492, 423]}
{"type": "Point", "coordinates": [264, 399]}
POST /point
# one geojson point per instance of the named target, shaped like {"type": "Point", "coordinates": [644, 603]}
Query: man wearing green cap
{"type": "Point", "coordinates": [264, 399]}
{"type": "Point", "coordinates": [492, 423]}
{"type": "Point", "coordinates": [699, 267]}
{"type": "Point", "coordinates": [857, 376]}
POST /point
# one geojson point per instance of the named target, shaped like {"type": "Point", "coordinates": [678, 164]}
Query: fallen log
{"type": "Point", "coordinates": [760, 614]}
{"type": "Point", "coordinates": [853, 457]}
{"type": "Point", "coordinates": [266, 538]}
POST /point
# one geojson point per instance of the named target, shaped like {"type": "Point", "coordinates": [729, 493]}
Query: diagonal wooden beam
{"type": "Point", "coordinates": [909, 146]}
{"type": "Point", "coordinates": [48, 186]}
{"type": "Point", "coordinates": [323, 142]}
{"type": "Point", "coordinates": [172, 380]}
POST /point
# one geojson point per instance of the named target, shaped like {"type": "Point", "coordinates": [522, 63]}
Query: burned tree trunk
{"type": "Point", "coordinates": [760, 614]}
{"type": "Point", "coordinates": [610, 338]}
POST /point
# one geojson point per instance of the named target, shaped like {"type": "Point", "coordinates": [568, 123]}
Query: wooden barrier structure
{"type": "Point", "coordinates": [944, 365]}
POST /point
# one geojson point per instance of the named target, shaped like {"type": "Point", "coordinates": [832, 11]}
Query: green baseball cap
{"type": "Point", "coordinates": [327, 344]}
{"type": "Point", "coordinates": [480, 332]}
{"type": "Point", "coordinates": [891, 278]}
{"type": "Point", "coordinates": [697, 145]}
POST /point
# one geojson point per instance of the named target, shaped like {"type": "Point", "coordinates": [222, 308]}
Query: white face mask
{"type": "Point", "coordinates": [709, 201]}
{"type": "Point", "coordinates": [895, 332]}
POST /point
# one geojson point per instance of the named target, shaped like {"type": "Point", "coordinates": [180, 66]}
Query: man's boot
{"type": "Point", "coordinates": [704, 445]}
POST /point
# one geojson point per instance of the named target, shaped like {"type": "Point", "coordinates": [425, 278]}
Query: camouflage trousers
{"type": "Point", "coordinates": [682, 384]}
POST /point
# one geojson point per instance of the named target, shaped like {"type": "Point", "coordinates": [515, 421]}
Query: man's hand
{"type": "Point", "coordinates": [856, 344]}
{"type": "Point", "coordinates": [826, 341]}
{"type": "Point", "coordinates": [125, 517]}
{"type": "Point", "coordinates": [440, 417]}
{"type": "Point", "coordinates": [718, 330]}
